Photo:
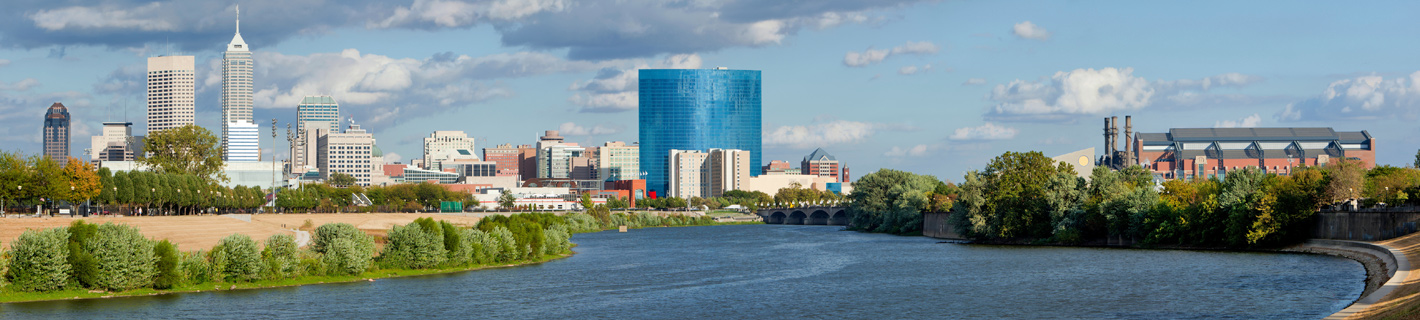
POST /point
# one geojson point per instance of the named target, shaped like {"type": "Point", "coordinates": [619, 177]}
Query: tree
{"type": "Point", "coordinates": [1417, 159]}
{"type": "Point", "coordinates": [123, 257]}
{"type": "Point", "coordinates": [38, 260]}
{"type": "Point", "coordinates": [586, 200]}
{"type": "Point", "coordinates": [506, 200]}
{"type": "Point", "coordinates": [1348, 180]}
{"type": "Point", "coordinates": [15, 172]}
{"type": "Point", "coordinates": [243, 260]}
{"type": "Point", "coordinates": [83, 181]}
{"type": "Point", "coordinates": [188, 149]}
{"type": "Point", "coordinates": [166, 264]}
{"type": "Point", "coordinates": [340, 179]}
{"type": "Point", "coordinates": [889, 201]}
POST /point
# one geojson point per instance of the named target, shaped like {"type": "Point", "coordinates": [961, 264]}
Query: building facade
{"type": "Point", "coordinates": [115, 143]}
{"type": "Point", "coordinates": [236, 91]}
{"type": "Point", "coordinates": [313, 114]}
{"type": "Point", "coordinates": [820, 163]}
{"type": "Point", "coordinates": [56, 132]}
{"type": "Point", "coordinates": [1200, 153]}
{"type": "Point", "coordinates": [696, 109]}
{"type": "Point", "coordinates": [617, 161]}
{"type": "Point", "coordinates": [444, 146]}
{"type": "Point", "coordinates": [242, 141]}
{"type": "Point", "coordinates": [696, 173]}
{"type": "Point", "coordinates": [505, 158]}
{"type": "Point", "coordinates": [171, 94]}
{"type": "Point", "coordinates": [349, 152]}
{"type": "Point", "coordinates": [779, 167]}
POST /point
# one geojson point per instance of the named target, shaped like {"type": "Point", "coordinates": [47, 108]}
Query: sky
{"type": "Point", "coordinates": [932, 87]}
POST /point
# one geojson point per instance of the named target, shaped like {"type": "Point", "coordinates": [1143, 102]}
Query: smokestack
{"type": "Point", "coordinates": [1114, 141]}
{"type": "Point", "coordinates": [1128, 140]}
{"type": "Point", "coordinates": [1105, 160]}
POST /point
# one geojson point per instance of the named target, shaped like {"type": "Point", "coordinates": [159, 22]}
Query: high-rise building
{"type": "Point", "coordinates": [446, 146]}
{"type": "Point", "coordinates": [696, 109]}
{"type": "Point", "coordinates": [527, 162]}
{"type": "Point", "coordinates": [350, 153]}
{"type": "Point", "coordinates": [56, 132]}
{"type": "Point", "coordinates": [236, 89]}
{"type": "Point", "coordinates": [116, 143]}
{"type": "Point", "coordinates": [557, 159]}
{"type": "Point", "coordinates": [695, 173]}
{"type": "Point", "coordinates": [505, 158]}
{"type": "Point", "coordinates": [820, 163]}
{"type": "Point", "coordinates": [170, 92]}
{"type": "Point", "coordinates": [242, 142]}
{"type": "Point", "coordinates": [313, 113]}
{"type": "Point", "coordinates": [618, 161]}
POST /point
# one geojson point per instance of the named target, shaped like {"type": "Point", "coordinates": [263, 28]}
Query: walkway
{"type": "Point", "coordinates": [1399, 298]}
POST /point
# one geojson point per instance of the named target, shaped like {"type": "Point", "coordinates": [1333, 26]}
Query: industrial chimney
{"type": "Point", "coordinates": [1128, 140]}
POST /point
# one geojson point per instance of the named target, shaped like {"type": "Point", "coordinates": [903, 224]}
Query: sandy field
{"type": "Point", "coordinates": [192, 233]}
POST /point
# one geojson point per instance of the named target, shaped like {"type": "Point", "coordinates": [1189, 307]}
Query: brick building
{"type": "Point", "coordinates": [1205, 152]}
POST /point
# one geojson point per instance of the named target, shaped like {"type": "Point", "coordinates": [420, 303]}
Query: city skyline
{"type": "Point", "coordinates": [930, 87]}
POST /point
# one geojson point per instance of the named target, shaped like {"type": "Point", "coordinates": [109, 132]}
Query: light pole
{"type": "Point", "coordinates": [273, 152]}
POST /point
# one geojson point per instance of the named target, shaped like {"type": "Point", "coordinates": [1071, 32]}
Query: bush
{"type": "Point", "coordinates": [280, 256]}
{"type": "Point", "coordinates": [345, 256]}
{"type": "Point", "coordinates": [310, 263]}
{"type": "Point", "coordinates": [123, 258]}
{"type": "Point", "coordinates": [83, 268]}
{"type": "Point", "coordinates": [217, 263]}
{"type": "Point", "coordinates": [168, 273]}
{"type": "Point", "coordinates": [331, 231]}
{"type": "Point", "coordinates": [415, 247]}
{"type": "Point", "coordinates": [482, 246]}
{"type": "Point", "coordinates": [4, 267]}
{"type": "Point", "coordinates": [196, 268]}
{"type": "Point", "coordinates": [507, 246]}
{"type": "Point", "coordinates": [557, 239]}
{"type": "Point", "coordinates": [243, 260]}
{"type": "Point", "coordinates": [39, 260]}
{"type": "Point", "coordinates": [456, 243]}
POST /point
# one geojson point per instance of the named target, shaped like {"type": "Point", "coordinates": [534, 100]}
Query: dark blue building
{"type": "Point", "coordinates": [696, 109]}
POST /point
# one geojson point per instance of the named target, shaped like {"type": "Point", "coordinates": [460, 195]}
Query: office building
{"type": "Point", "coordinates": [236, 94]}
{"type": "Point", "coordinates": [527, 162]}
{"type": "Point", "coordinates": [696, 109]}
{"type": "Point", "coordinates": [56, 132]}
{"type": "Point", "coordinates": [505, 157]}
{"type": "Point", "coordinates": [171, 92]}
{"type": "Point", "coordinates": [444, 146]}
{"type": "Point", "coordinates": [696, 173]}
{"type": "Point", "coordinates": [242, 140]}
{"type": "Point", "coordinates": [820, 163]}
{"type": "Point", "coordinates": [779, 167]}
{"type": "Point", "coordinates": [314, 113]}
{"type": "Point", "coordinates": [557, 159]}
{"type": "Point", "coordinates": [617, 161]}
{"type": "Point", "coordinates": [1200, 153]}
{"type": "Point", "coordinates": [115, 143]}
{"type": "Point", "coordinates": [349, 153]}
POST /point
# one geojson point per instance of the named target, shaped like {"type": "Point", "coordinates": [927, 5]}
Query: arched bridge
{"type": "Point", "coordinates": [825, 216]}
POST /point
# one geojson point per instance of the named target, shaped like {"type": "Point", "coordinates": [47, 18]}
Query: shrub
{"type": "Point", "coordinates": [39, 260]}
{"type": "Point", "coordinates": [217, 263]}
{"type": "Point", "coordinates": [123, 258]}
{"type": "Point", "coordinates": [169, 273]}
{"type": "Point", "coordinates": [415, 247]}
{"type": "Point", "coordinates": [280, 256]}
{"type": "Point", "coordinates": [345, 256]}
{"type": "Point", "coordinates": [331, 231]}
{"type": "Point", "coordinates": [456, 244]}
{"type": "Point", "coordinates": [310, 263]}
{"type": "Point", "coordinates": [483, 249]}
{"type": "Point", "coordinates": [196, 268]}
{"type": "Point", "coordinates": [557, 239]}
{"type": "Point", "coordinates": [4, 267]}
{"type": "Point", "coordinates": [243, 259]}
{"type": "Point", "coordinates": [83, 268]}
{"type": "Point", "coordinates": [507, 247]}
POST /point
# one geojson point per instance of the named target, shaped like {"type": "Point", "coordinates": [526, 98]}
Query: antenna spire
{"type": "Point", "coordinates": [239, 19]}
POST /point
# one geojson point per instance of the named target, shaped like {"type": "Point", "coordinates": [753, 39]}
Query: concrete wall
{"type": "Point", "coordinates": [1364, 226]}
{"type": "Point", "coordinates": [936, 225]}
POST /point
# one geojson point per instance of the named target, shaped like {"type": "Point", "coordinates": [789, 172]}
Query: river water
{"type": "Point", "coordinates": [779, 271]}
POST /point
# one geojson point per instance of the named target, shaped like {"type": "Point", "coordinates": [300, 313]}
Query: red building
{"type": "Point", "coordinates": [527, 162]}
{"type": "Point", "coordinates": [1206, 152]}
{"type": "Point", "coordinates": [820, 163]}
{"type": "Point", "coordinates": [505, 158]}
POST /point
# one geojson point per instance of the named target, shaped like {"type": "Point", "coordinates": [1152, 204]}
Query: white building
{"type": "Point", "coordinates": [350, 153]}
{"type": "Point", "coordinates": [618, 161]}
{"type": "Point", "coordinates": [695, 173]}
{"type": "Point", "coordinates": [236, 92]}
{"type": "Point", "coordinates": [116, 143]}
{"type": "Point", "coordinates": [242, 142]}
{"type": "Point", "coordinates": [312, 114]}
{"type": "Point", "coordinates": [170, 92]}
{"type": "Point", "coordinates": [445, 146]}
{"type": "Point", "coordinates": [557, 159]}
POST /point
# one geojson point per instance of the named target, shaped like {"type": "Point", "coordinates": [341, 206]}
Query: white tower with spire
{"type": "Point", "coordinates": [237, 95]}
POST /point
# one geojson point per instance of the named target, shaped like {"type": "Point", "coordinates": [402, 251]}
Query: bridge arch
{"type": "Point", "coordinates": [777, 217]}
{"type": "Point", "coordinates": [818, 217]}
{"type": "Point", "coordinates": [797, 217]}
{"type": "Point", "coordinates": [839, 218]}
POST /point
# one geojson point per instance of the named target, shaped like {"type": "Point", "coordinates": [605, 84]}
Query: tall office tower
{"type": "Point", "coordinates": [446, 146]}
{"type": "Point", "coordinates": [117, 143]}
{"type": "Point", "coordinates": [695, 173]}
{"type": "Point", "coordinates": [170, 92]}
{"type": "Point", "coordinates": [555, 158]}
{"type": "Point", "coordinates": [618, 161]}
{"type": "Point", "coordinates": [696, 109]}
{"type": "Point", "coordinates": [505, 157]}
{"type": "Point", "coordinates": [242, 142]}
{"type": "Point", "coordinates": [351, 152]}
{"type": "Point", "coordinates": [236, 87]}
{"type": "Point", "coordinates": [313, 113]}
{"type": "Point", "coordinates": [820, 163]}
{"type": "Point", "coordinates": [56, 132]}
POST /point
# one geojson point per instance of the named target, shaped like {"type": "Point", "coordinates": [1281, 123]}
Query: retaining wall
{"type": "Point", "coordinates": [934, 224]}
{"type": "Point", "coordinates": [1364, 226]}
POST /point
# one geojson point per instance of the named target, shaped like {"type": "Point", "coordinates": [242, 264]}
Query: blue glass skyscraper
{"type": "Point", "coordinates": [696, 109]}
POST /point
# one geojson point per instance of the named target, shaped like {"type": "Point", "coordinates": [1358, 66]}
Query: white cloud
{"type": "Point", "coordinates": [572, 129]}
{"type": "Point", "coordinates": [974, 82]}
{"type": "Point", "coordinates": [614, 89]}
{"type": "Point", "coordinates": [986, 131]}
{"type": "Point", "coordinates": [1028, 30]}
{"type": "Point", "coordinates": [871, 56]}
{"type": "Point", "coordinates": [826, 133]}
{"type": "Point", "coordinates": [145, 18]}
{"type": "Point", "coordinates": [1251, 121]}
{"type": "Point", "coordinates": [1362, 98]}
{"type": "Point", "coordinates": [915, 151]}
{"type": "Point", "coordinates": [911, 70]}
{"type": "Point", "coordinates": [447, 14]}
{"type": "Point", "coordinates": [391, 157]}
{"type": "Point", "coordinates": [22, 85]}
{"type": "Point", "coordinates": [1091, 92]}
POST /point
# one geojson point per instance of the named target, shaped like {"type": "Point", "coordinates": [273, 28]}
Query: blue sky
{"type": "Point", "coordinates": [935, 87]}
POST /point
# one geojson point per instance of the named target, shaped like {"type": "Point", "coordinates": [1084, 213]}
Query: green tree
{"type": "Point", "coordinates": [38, 260]}
{"type": "Point", "coordinates": [415, 247]}
{"type": "Point", "coordinates": [166, 265]}
{"type": "Point", "coordinates": [888, 201]}
{"type": "Point", "coordinates": [243, 260]}
{"type": "Point", "coordinates": [280, 256]}
{"type": "Point", "coordinates": [586, 201]}
{"type": "Point", "coordinates": [1417, 159]}
{"type": "Point", "coordinates": [124, 258]}
{"type": "Point", "coordinates": [15, 172]}
{"type": "Point", "coordinates": [506, 200]}
{"type": "Point", "coordinates": [188, 149]}
{"type": "Point", "coordinates": [341, 180]}
{"type": "Point", "coordinates": [1347, 179]}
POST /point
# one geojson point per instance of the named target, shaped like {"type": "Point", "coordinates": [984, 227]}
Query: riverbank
{"type": "Point", "coordinates": [1399, 296]}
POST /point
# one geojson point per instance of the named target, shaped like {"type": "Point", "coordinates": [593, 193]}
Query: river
{"type": "Point", "coordinates": [779, 271]}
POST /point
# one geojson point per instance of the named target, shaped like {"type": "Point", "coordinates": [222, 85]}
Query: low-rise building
{"type": "Point", "coordinates": [1199, 153]}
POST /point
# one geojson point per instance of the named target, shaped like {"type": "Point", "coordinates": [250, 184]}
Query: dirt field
{"type": "Point", "coordinates": [192, 233]}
